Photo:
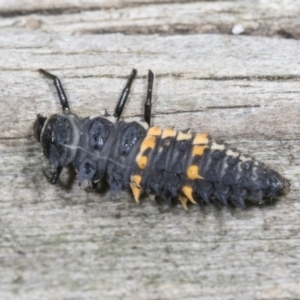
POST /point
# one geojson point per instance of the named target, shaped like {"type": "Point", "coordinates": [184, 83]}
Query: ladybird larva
{"type": "Point", "coordinates": [161, 162]}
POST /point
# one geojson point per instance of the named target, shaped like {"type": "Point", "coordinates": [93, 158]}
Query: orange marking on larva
{"type": "Point", "coordinates": [169, 132]}
{"type": "Point", "coordinates": [136, 192]}
{"type": "Point", "coordinates": [137, 179]}
{"type": "Point", "coordinates": [188, 191]}
{"type": "Point", "coordinates": [142, 162]}
{"type": "Point", "coordinates": [183, 136]}
{"type": "Point", "coordinates": [201, 138]}
{"type": "Point", "coordinates": [155, 131]}
{"type": "Point", "coordinates": [198, 150]}
{"type": "Point", "coordinates": [183, 201]}
{"type": "Point", "coordinates": [148, 142]}
{"type": "Point", "coordinates": [193, 172]}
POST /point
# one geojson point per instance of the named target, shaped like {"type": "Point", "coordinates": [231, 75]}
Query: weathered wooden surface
{"type": "Point", "coordinates": [59, 242]}
{"type": "Point", "coordinates": [276, 18]}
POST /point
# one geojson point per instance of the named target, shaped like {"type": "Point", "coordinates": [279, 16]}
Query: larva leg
{"type": "Point", "coordinates": [61, 93]}
{"type": "Point", "coordinates": [147, 110]}
{"type": "Point", "coordinates": [124, 96]}
{"type": "Point", "coordinates": [56, 174]}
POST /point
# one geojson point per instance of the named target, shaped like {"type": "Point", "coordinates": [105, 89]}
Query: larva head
{"type": "Point", "coordinates": [59, 136]}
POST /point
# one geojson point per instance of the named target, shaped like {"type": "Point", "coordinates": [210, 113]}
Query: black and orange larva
{"type": "Point", "coordinates": [161, 162]}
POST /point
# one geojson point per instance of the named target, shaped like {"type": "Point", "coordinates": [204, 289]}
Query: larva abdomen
{"type": "Point", "coordinates": [198, 169]}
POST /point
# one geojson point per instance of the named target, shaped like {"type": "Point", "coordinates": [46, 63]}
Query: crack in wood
{"type": "Point", "coordinates": [26, 137]}
{"type": "Point", "coordinates": [276, 78]}
{"type": "Point", "coordinates": [288, 77]}
{"type": "Point", "coordinates": [74, 10]}
{"type": "Point", "coordinates": [203, 110]}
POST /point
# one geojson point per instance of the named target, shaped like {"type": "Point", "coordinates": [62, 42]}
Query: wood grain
{"type": "Point", "coordinates": [259, 18]}
{"type": "Point", "coordinates": [60, 242]}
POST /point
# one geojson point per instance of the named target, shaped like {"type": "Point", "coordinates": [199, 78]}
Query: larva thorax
{"type": "Point", "coordinates": [160, 162]}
